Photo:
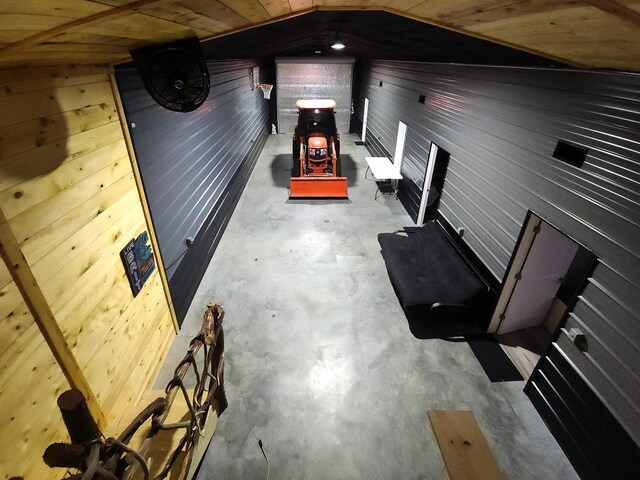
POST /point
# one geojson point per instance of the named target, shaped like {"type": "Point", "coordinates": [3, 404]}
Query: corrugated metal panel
{"type": "Point", "coordinates": [188, 161]}
{"type": "Point", "coordinates": [592, 439]}
{"type": "Point", "coordinates": [501, 126]}
{"type": "Point", "coordinates": [300, 79]}
{"type": "Point", "coordinates": [194, 264]}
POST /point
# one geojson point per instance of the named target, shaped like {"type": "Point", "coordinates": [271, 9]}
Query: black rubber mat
{"type": "Point", "coordinates": [495, 363]}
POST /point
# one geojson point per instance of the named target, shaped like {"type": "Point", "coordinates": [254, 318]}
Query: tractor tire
{"type": "Point", "coordinates": [295, 170]}
{"type": "Point", "coordinates": [338, 162]}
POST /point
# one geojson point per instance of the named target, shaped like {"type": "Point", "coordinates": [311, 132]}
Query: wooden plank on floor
{"type": "Point", "coordinates": [466, 453]}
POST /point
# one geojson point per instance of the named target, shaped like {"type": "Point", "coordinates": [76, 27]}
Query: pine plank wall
{"type": "Point", "coordinates": [69, 203]}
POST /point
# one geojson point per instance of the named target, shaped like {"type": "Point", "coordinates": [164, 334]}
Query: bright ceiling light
{"type": "Point", "coordinates": [337, 45]}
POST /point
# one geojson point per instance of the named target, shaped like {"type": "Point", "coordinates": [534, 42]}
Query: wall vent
{"type": "Point", "coordinates": [570, 153]}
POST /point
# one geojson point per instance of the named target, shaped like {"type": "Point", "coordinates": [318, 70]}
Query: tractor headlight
{"type": "Point", "coordinates": [318, 152]}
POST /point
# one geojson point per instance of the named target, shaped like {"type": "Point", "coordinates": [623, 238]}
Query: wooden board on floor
{"type": "Point", "coordinates": [466, 453]}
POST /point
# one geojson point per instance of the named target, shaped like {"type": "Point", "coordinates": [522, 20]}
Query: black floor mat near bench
{"type": "Point", "coordinates": [495, 363]}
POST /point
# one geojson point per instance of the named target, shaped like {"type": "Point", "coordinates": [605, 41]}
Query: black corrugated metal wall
{"type": "Point", "coordinates": [195, 165]}
{"type": "Point", "coordinates": [501, 126]}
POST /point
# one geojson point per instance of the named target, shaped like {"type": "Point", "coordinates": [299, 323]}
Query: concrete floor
{"type": "Point", "coordinates": [320, 362]}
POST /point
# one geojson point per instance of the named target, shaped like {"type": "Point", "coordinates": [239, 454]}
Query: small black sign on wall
{"type": "Point", "coordinates": [139, 262]}
{"type": "Point", "coordinates": [570, 153]}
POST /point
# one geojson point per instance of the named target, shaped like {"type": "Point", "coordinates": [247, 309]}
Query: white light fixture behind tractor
{"type": "Point", "coordinates": [337, 44]}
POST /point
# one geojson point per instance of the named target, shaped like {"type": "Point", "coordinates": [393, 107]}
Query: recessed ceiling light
{"type": "Point", "coordinates": [337, 45]}
{"type": "Point", "coordinates": [318, 51]}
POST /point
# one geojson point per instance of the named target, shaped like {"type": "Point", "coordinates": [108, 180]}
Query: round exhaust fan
{"type": "Point", "coordinates": [177, 79]}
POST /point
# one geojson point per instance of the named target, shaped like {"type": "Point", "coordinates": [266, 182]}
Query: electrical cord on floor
{"type": "Point", "coordinates": [265, 457]}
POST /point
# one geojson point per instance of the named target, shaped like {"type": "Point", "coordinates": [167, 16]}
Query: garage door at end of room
{"type": "Point", "coordinates": [298, 79]}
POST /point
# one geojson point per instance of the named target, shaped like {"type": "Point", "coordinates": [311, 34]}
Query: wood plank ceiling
{"type": "Point", "coordinates": [584, 33]}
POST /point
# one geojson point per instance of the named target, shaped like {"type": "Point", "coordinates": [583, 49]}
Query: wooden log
{"type": "Point", "coordinates": [77, 417]}
{"type": "Point", "coordinates": [64, 455]}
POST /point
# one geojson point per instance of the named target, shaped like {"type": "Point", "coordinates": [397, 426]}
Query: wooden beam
{"type": "Point", "coordinates": [102, 17]}
{"type": "Point", "coordinates": [617, 9]}
{"type": "Point", "coordinates": [44, 318]}
{"type": "Point", "coordinates": [143, 198]}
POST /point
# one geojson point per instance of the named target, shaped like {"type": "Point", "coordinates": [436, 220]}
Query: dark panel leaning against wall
{"type": "Point", "coordinates": [501, 126]}
{"type": "Point", "coordinates": [195, 165]}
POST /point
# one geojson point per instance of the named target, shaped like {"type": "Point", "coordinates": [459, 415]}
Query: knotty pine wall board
{"type": "Point", "coordinates": [68, 193]}
{"type": "Point", "coordinates": [29, 416]}
{"type": "Point", "coordinates": [81, 220]}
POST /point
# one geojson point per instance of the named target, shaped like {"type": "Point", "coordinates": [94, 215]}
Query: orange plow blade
{"type": "Point", "coordinates": [318, 187]}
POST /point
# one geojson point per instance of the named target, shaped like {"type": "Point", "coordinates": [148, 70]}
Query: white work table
{"type": "Point", "coordinates": [383, 170]}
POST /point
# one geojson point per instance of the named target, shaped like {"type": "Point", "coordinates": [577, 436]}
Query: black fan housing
{"type": "Point", "coordinates": [177, 78]}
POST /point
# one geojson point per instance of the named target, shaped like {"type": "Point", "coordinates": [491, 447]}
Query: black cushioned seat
{"type": "Point", "coordinates": [428, 274]}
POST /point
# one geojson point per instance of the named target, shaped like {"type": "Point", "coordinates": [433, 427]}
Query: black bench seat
{"type": "Point", "coordinates": [433, 283]}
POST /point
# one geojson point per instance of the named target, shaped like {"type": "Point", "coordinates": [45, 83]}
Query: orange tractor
{"type": "Point", "coordinates": [316, 168]}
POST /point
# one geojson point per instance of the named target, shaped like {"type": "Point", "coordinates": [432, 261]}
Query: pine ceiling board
{"type": "Point", "coordinates": [617, 8]}
{"type": "Point", "coordinates": [511, 10]}
{"type": "Point", "coordinates": [354, 4]}
{"type": "Point", "coordinates": [19, 21]}
{"type": "Point", "coordinates": [10, 36]}
{"type": "Point", "coordinates": [80, 48]}
{"type": "Point", "coordinates": [300, 5]}
{"type": "Point", "coordinates": [92, 38]}
{"type": "Point", "coordinates": [447, 11]}
{"type": "Point", "coordinates": [37, 58]}
{"type": "Point", "coordinates": [583, 34]}
{"type": "Point", "coordinates": [143, 27]}
{"type": "Point", "coordinates": [60, 8]}
{"type": "Point", "coordinates": [70, 26]}
{"type": "Point", "coordinates": [623, 57]}
{"type": "Point", "coordinates": [632, 4]}
{"type": "Point", "coordinates": [217, 11]}
{"type": "Point", "coordinates": [116, 3]}
{"type": "Point", "coordinates": [570, 18]}
{"type": "Point", "coordinates": [276, 8]}
{"type": "Point", "coordinates": [174, 12]}
{"type": "Point", "coordinates": [402, 5]}
{"type": "Point", "coordinates": [252, 10]}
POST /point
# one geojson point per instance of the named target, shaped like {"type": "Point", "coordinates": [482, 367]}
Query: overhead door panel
{"type": "Point", "coordinates": [299, 79]}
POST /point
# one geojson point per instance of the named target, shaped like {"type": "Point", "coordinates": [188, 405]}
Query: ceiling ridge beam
{"type": "Point", "coordinates": [101, 17]}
